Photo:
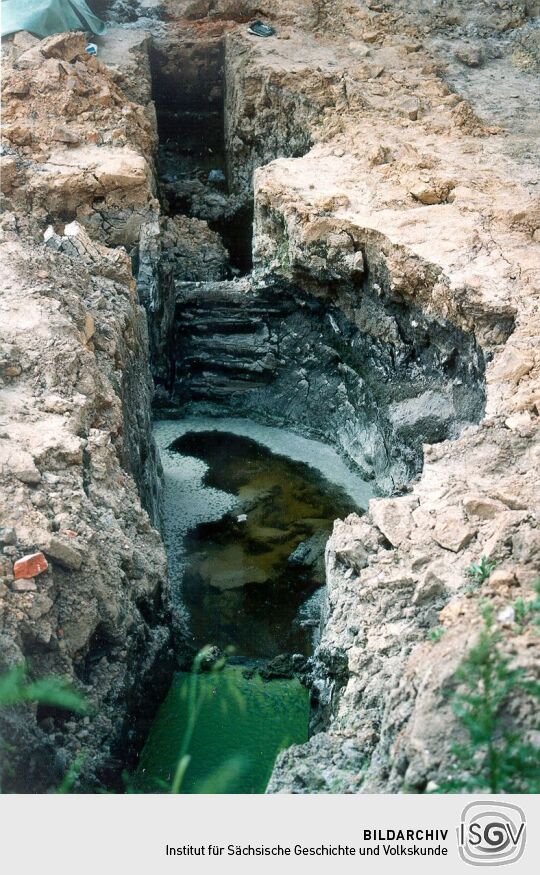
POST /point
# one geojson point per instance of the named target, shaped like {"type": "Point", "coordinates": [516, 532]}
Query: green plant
{"type": "Point", "coordinates": [520, 611]}
{"type": "Point", "coordinates": [492, 758]}
{"type": "Point", "coordinates": [196, 698]}
{"type": "Point", "coordinates": [480, 571]}
{"type": "Point", "coordinates": [436, 633]}
{"type": "Point", "coordinates": [200, 687]}
{"type": "Point", "coordinates": [72, 774]}
{"type": "Point", "coordinates": [15, 689]}
{"type": "Point", "coordinates": [195, 702]}
{"type": "Point", "coordinates": [525, 611]}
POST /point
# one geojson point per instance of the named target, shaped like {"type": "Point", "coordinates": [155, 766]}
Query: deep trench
{"type": "Point", "coordinates": [192, 161]}
{"type": "Point", "coordinates": [276, 354]}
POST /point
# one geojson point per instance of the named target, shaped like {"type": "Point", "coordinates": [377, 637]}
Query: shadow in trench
{"type": "Point", "coordinates": [192, 165]}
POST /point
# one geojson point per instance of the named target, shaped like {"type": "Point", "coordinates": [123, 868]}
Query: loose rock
{"type": "Point", "coordinates": [30, 566]}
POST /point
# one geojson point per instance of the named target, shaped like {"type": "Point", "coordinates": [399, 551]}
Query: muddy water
{"type": "Point", "coordinates": [250, 571]}
{"type": "Point", "coordinates": [245, 529]}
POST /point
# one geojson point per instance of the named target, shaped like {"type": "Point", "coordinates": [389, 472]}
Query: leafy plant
{"type": "Point", "coordinates": [436, 633]}
{"type": "Point", "coordinates": [528, 611]}
{"type": "Point", "coordinates": [492, 758]}
{"type": "Point", "coordinates": [198, 691]}
{"type": "Point", "coordinates": [196, 699]}
{"type": "Point", "coordinates": [224, 775]}
{"type": "Point", "coordinates": [72, 774]}
{"type": "Point", "coordinates": [480, 571]}
{"type": "Point", "coordinates": [16, 689]}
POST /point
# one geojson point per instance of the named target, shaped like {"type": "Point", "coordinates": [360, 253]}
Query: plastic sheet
{"type": "Point", "coordinates": [45, 17]}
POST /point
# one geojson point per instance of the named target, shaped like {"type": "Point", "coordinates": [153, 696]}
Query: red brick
{"type": "Point", "coordinates": [30, 565]}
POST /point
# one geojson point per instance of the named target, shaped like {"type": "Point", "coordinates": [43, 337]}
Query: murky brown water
{"type": "Point", "coordinates": [242, 585]}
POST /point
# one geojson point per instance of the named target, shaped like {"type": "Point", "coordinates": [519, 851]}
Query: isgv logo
{"type": "Point", "coordinates": [491, 833]}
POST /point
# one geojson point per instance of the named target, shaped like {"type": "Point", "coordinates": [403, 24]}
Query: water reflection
{"type": "Point", "coordinates": [247, 574]}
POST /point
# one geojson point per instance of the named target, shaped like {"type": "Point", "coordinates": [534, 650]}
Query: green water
{"type": "Point", "coordinates": [241, 725]}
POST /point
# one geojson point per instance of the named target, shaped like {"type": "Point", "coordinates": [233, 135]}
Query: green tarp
{"type": "Point", "coordinates": [45, 17]}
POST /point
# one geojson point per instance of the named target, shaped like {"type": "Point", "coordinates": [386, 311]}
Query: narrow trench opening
{"type": "Point", "coordinates": [192, 163]}
{"type": "Point", "coordinates": [251, 573]}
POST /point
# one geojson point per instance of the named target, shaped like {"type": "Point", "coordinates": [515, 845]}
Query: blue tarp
{"type": "Point", "coordinates": [45, 17]}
